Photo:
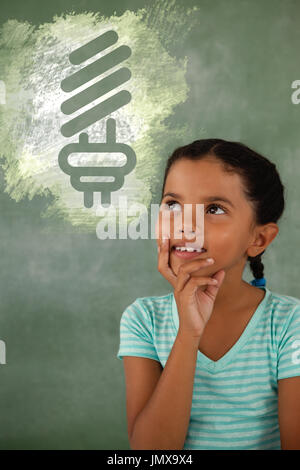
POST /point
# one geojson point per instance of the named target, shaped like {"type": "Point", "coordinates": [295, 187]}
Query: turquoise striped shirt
{"type": "Point", "coordinates": [234, 403]}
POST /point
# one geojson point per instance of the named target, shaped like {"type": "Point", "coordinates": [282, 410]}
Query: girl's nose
{"type": "Point", "coordinates": [190, 231]}
{"type": "Point", "coordinates": [191, 235]}
{"type": "Point", "coordinates": [188, 234]}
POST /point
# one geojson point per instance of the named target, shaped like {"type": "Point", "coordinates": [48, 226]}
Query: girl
{"type": "Point", "coordinates": [215, 364]}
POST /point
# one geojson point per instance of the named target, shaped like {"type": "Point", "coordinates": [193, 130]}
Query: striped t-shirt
{"type": "Point", "coordinates": [234, 403]}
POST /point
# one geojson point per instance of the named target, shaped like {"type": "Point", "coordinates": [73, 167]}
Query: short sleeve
{"type": "Point", "coordinates": [136, 332]}
{"type": "Point", "coordinates": [288, 364]}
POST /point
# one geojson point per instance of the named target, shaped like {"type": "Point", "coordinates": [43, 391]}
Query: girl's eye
{"type": "Point", "coordinates": [218, 206]}
{"type": "Point", "coordinates": [169, 204]}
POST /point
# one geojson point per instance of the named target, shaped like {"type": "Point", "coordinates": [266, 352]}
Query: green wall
{"type": "Point", "coordinates": [63, 292]}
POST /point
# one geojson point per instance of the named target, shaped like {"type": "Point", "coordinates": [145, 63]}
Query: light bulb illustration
{"type": "Point", "coordinates": [110, 146]}
{"type": "Point", "coordinates": [98, 89]}
{"type": "Point", "coordinates": [94, 114]}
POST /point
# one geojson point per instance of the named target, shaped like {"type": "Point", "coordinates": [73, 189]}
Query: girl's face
{"type": "Point", "coordinates": [227, 224]}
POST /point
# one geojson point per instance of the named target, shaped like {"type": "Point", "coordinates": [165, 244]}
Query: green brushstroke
{"type": "Point", "coordinates": [34, 61]}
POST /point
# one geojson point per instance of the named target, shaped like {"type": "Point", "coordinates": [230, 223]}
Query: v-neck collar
{"type": "Point", "coordinates": [214, 366]}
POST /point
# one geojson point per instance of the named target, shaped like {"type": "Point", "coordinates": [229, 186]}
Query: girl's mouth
{"type": "Point", "coordinates": [187, 253]}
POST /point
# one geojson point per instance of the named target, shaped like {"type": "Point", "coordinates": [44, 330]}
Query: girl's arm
{"type": "Point", "coordinates": [289, 412]}
{"type": "Point", "coordinates": [288, 379]}
{"type": "Point", "coordinates": [162, 422]}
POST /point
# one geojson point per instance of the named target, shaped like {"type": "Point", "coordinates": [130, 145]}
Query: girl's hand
{"type": "Point", "coordinates": [195, 295]}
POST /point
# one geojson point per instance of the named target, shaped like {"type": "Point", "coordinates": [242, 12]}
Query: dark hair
{"type": "Point", "coordinates": [262, 184]}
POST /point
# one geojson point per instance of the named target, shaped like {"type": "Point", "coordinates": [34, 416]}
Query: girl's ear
{"type": "Point", "coordinates": [265, 236]}
{"type": "Point", "coordinates": [270, 232]}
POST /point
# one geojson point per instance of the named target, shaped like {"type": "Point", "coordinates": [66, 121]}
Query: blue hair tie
{"type": "Point", "coordinates": [259, 282]}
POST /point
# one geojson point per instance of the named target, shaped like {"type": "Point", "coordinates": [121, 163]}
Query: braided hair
{"type": "Point", "coordinates": [257, 269]}
{"type": "Point", "coordinates": [262, 185]}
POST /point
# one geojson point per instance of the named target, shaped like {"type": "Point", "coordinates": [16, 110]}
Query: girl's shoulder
{"type": "Point", "coordinates": [284, 318]}
{"type": "Point", "coordinates": [281, 301]}
{"type": "Point", "coordinates": [151, 306]}
{"type": "Point", "coordinates": [283, 309]}
{"type": "Point", "coordinates": [155, 305]}
{"type": "Point", "coordinates": [154, 301]}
